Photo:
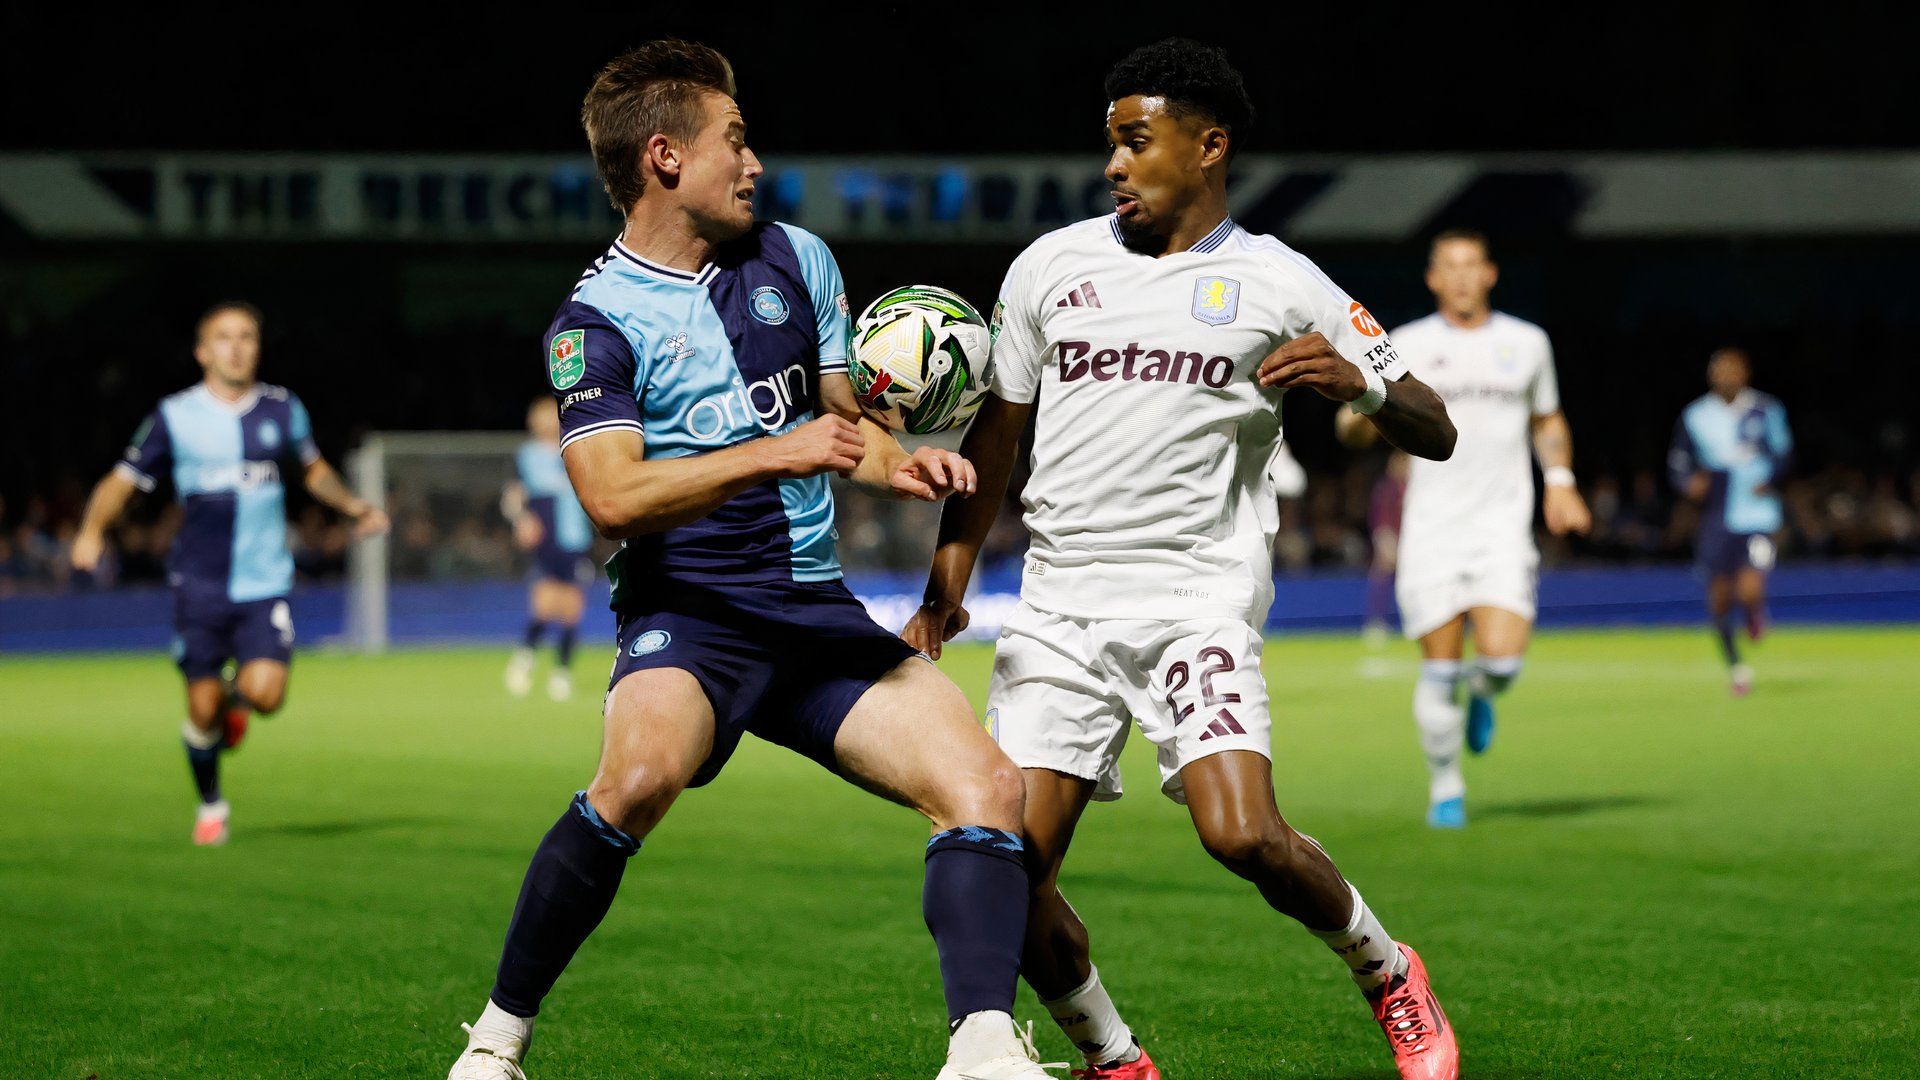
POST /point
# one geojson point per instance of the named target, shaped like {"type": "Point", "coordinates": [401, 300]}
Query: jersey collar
{"type": "Point", "coordinates": [1208, 243]}
{"type": "Point", "coordinates": [665, 273]}
{"type": "Point", "coordinates": [238, 407]}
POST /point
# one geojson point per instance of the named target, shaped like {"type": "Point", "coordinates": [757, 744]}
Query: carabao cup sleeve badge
{"type": "Point", "coordinates": [567, 358]}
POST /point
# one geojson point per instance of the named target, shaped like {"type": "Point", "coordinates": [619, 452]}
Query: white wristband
{"type": "Point", "coordinates": [1557, 476]}
{"type": "Point", "coordinates": [1370, 402]}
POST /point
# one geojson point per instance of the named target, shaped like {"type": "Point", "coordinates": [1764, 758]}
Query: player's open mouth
{"type": "Point", "coordinates": [746, 195]}
{"type": "Point", "coordinates": [1124, 204]}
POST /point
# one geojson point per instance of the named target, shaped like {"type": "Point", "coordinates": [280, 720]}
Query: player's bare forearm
{"type": "Point", "coordinates": [626, 495]}
{"type": "Point", "coordinates": [108, 501]}
{"type": "Point", "coordinates": [1565, 511]}
{"type": "Point", "coordinates": [1415, 420]}
{"type": "Point", "coordinates": [104, 506]}
{"type": "Point", "coordinates": [325, 484]}
{"type": "Point", "coordinates": [1553, 441]}
{"type": "Point", "coordinates": [884, 452]}
{"type": "Point", "coordinates": [887, 469]}
{"type": "Point", "coordinates": [992, 445]}
{"type": "Point", "coordinates": [883, 458]}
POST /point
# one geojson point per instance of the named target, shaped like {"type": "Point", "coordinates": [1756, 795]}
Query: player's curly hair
{"type": "Point", "coordinates": [650, 90]}
{"type": "Point", "coordinates": [1195, 79]}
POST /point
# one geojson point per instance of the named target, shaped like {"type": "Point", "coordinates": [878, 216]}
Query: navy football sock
{"type": "Point", "coordinates": [564, 650]}
{"type": "Point", "coordinates": [535, 631]}
{"type": "Point", "coordinates": [203, 757]}
{"type": "Point", "coordinates": [975, 902]}
{"type": "Point", "coordinates": [1723, 627]}
{"type": "Point", "coordinates": [569, 886]}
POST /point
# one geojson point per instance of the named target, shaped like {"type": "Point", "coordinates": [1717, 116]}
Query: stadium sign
{"type": "Point", "coordinates": [1001, 200]}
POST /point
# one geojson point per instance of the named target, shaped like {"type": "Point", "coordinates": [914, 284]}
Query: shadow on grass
{"type": "Point", "coordinates": [1376, 1074]}
{"type": "Point", "coordinates": [1572, 807]}
{"type": "Point", "coordinates": [340, 827]}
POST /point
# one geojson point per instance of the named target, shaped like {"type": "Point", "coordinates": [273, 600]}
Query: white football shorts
{"type": "Point", "coordinates": [1433, 587]}
{"type": "Point", "coordinates": [1064, 691]}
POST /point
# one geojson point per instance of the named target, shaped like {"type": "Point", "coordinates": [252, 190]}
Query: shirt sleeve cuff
{"type": "Point", "coordinates": [601, 428]}
{"type": "Point", "coordinates": [140, 480]}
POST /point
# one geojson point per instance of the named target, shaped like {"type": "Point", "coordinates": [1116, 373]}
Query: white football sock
{"type": "Point", "coordinates": [198, 739]}
{"type": "Point", "coordinates": [1492, 675]}
{"type": "Point", "coordinates": [1443, 726]}
{"type": "Point", "coordinates": [502, 1032]}
{"type": "Point", "coordinates": [1088, 1018]}
{"type": "Point", "coordinates": [1371, 955]}
{"type": "Point", "coordinates": [981, 1036]}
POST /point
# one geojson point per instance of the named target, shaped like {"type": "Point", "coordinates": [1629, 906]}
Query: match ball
{"type": "Point", "coordinates": [920, 360]}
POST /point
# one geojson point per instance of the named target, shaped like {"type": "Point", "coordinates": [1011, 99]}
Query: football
{"type": "Point", "coordinates": [920, 360]}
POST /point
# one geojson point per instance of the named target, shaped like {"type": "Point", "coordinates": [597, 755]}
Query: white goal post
{"type": "Point", "coordinates": [406, 473]}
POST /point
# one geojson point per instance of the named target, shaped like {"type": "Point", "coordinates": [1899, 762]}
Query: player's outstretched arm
{"type": "Point", "coordinates": [992, 444]}
{"type": "Point", "coordinates": [324, 484]}
{"type": "Point", "coordinates": [1565, 511]}
{"type": "Point", "coordinates": [887, 469]}
{"type": "Point", "coordinates": [626, 495]}
{"type": "Point", "coordinates": [104, 507]}
{"type": "Point", "coordinates": [1413, 419]}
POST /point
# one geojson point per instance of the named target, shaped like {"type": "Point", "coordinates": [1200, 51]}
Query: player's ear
{"type": "Point", "coordinates": [661, 157]}
{"type": "Point", "coordinates": [1214, 144]}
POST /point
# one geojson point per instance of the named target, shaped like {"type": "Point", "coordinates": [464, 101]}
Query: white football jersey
{"type": "Point", "coordinates": [1151, 494]}
{"type": "Point", "coordinates": [1495, 378]}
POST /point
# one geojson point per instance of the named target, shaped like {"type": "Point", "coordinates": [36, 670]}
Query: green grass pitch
{"type": "Point", "coordinates": [1658, 881]}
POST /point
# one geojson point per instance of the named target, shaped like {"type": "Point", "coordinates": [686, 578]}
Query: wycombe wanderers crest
{"type": "Point", "coordinates": [768, 305]}
{"type": "Point", "coordinates": [1216, 300]}
{"type": "Point", "coordinates": [567, 358]}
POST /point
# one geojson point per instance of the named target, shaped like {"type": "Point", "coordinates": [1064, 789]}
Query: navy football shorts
{"type": "Point", "coordinates": [210, 629]}
{"type": "Point", "coordinates": [787, 668]}
{"type": "Point", "coordinates": [1720, 552]}
{"type": "Point", "coordinates": [566, 567]}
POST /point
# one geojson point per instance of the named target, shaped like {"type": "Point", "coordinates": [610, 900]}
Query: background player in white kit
{"type": "Point", "coordinates": [1155, 345]}
{"type": "Point", "coordinates": [1467, 556]}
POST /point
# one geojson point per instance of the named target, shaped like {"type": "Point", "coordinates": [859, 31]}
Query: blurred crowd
{"type": "Point", "coordinates": [1839, 513]}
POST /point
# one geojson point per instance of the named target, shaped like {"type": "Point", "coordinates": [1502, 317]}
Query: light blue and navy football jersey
{"type": "Point", "coordinates": [696, 362]}
{"type": "Point", "coordinates": [550, 498]}
{"type": "Point", "coordinates": [1741, 445]}
{"type": "Point", "coordinates": [225, 460]}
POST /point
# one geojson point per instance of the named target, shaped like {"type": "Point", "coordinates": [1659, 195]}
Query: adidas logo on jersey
{"type": "Point", "coordinates": [1136, 362]}
{"type": "Point", "coordinates": [1081, 296]}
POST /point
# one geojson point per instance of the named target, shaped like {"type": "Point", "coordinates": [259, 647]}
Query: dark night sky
{"type": "Point", "coordinates": [972, 78]}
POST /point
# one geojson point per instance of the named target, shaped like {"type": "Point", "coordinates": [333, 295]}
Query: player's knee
{"type": "Point", "coordinates": [634, 797]}
{"type": "Point", "coordinates": [990, 794]}
{"type": "Point", "coordinates": [266, 700]}
{"type": "Point", "coordinates": [1248, 846]}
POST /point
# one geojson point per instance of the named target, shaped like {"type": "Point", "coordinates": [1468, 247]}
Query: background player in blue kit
{"type": "Point", "coordinates": [690, 363]}
{"type": "Point", "coordinates": [222, 443]}
{"type": "Point", "coordinates": [1731, 450]}
{"type": "Point", "coordinates": [550, 525]}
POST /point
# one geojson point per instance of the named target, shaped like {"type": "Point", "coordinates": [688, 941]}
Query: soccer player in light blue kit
{"type": "Point", "coordinates": [222, 443]}
{"type": "Point", "coordinates": [1731, 449]}
{"type": "Point", "coordinates": [550, 525]}
{"type": "Point", "coordinates": [700, 366]}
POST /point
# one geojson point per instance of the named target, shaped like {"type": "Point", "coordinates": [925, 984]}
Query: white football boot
{"type": "Point", "coordinates": [520, 672]}
{"type": "Point", "coordinates": [560, 685]}
{"type": "Point", "coordinates": [484, 1061]}
{"type": "Point", "coordinates": [1018, 1059]}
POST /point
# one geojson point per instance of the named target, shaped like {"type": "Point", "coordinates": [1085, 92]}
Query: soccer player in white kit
{"type": "Point", "coordinates": [1467, 557]}
{"type": "Point", "coordinates": [1155, 345]}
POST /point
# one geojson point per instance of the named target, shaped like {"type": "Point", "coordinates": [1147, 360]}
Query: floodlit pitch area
{"type": "Point", "coordinates": [1657, 881]}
